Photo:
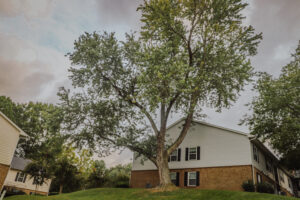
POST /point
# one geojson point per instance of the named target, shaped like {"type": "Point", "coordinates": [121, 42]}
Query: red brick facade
{"type": "Point", "coordinates": [218, 178]}
{"type": "Point", "coordinates": [3, 173]}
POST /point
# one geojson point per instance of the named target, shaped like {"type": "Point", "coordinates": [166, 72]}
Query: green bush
{"type": "Point", "coordinates": [248, 186]}
{"type": "Point", "coordinates": [265, 188]}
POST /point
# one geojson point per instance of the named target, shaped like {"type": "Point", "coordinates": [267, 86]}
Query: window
{"type": "Point", "coordinates": [36, 181]}
{"type": "Point", "coordinates": [259, 180]}
{"type": "Point", "coordinates": [20, 177]}
{"type": "Point", "coordinates": [173, 176]}
{"type": "Point", "coordinates": [269, 165]}
{"type": "Point", "coordinates": [174, 156]}
{"type": "Point", "coordinates": [255, 154]}
{"type": "Point", "coordinates": [193, 153]}
{"type": "Point", "coordinates": [192, 178]}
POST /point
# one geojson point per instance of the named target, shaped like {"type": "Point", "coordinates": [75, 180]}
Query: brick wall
{"type": "Point", "coordinates": [3, 173]}
{"type": "Point", "coordinates": [218, 178]}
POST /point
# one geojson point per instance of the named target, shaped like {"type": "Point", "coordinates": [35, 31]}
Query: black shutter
{"type": "Point", "coordinates": [168, 158]}
{"type": "Point", "coordinates": [179, 154]}
{"type": "Point", "coordinates": [25, 178]}
{"type": "Point", "coordinates": [198, 153]}
{"type": "Point", "coordinates": [177, 178]}
{"type": "Point", "coordinates": [185, 178]}
{"type": "Point", "coordinates": [16, 179]}
{"type": "Point", "coordinates": [197, 178]}
{"type": "Point", "coordinates": [186, 153]}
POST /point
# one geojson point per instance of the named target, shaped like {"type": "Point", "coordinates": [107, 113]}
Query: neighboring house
{"type": "Point", "coordinates": [10, 134]}
{"type": "Point", "coordinates": [17, 180]}
{"type": "Point", "coordinates": [213, 157]}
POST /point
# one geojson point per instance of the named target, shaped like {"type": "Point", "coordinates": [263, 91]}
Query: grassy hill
{"type": "Point", "coordinates": [143, 194]}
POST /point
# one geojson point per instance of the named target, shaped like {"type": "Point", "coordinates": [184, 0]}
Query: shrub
{"type": "Point", "coordinates": [248, 186]}
{"type": "Point", "coordinates": [265, 188]}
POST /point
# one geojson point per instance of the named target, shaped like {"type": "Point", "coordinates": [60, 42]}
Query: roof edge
{"type": "Point", "coordinates": [209, 124]}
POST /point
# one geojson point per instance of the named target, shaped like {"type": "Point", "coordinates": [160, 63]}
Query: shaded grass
{"type": "Point", "coordinates": [144, 194]}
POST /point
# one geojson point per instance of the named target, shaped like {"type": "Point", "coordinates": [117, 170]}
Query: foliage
{"type": "Point", "coordinates": [190, 54]}
{"type": "Point", "coordinates": [276, 111]}
{"type": "Point", "coordinates": [248, 186]}
{"type": "Point", "coordinates": [40, 121]}
{"type": "Point", "coordinates": [119, 176]}
{"type": "Point", "coordinates": [146, 194]}
{"type": "Point", "coordinates": [71, 169]}
{"type": "Point", "coordinates": [43, 162]}
{"type": "Point", "coordinates": [98, 176]}
{"type": "Point", "coordinates": [265, 187]}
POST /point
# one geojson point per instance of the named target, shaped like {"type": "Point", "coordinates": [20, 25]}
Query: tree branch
{"type": "Point", "coordinates": [124, 94]}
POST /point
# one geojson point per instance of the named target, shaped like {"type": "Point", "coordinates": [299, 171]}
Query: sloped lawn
{"type": "Point", "coordinates": [143, 194]}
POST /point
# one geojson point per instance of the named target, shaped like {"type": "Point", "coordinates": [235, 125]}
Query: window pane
{"type": "Point", "coordinates": [193, 150]}
{"type": "Point", "coordinates": [192, 175]}
{"type": "Point", "coordinates": [173, 158]}
{"type": "Point", "coordinates": [174, 182]}
{"type": "Point", "coordinates": [174, 153]}
{"type": "Point", "coordinates": [192, 156]}
{"type": "Point", "coordinates": [192, 182]}
{"type": "Point", "coordinates": [173, 176]}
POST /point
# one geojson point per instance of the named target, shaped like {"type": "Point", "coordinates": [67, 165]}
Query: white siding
{"type": "Point", "coordinates": [262, 167]}
{"type": "Point", "coordinates": [10, 181]}
{"type": "Point", "coordinates": [285, 184]}
{"type": "Point", "coordinates": [9, 137]}
{"type": "Point", "coordinates": [219, 147]}
{"type": "Point", "coordinates": [262, 163]}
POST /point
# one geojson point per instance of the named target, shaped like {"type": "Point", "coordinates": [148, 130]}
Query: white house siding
{"type": "Point", "coordinates": [9, 139]}
{"type": "Point", "coordinates": [261, 165]}
{"type": "Point", "coordinates": [285, 184]}
{"type": "Point", "coordinates": [10, 181]}
{"type": "Point", "coordinates": [219, 147]}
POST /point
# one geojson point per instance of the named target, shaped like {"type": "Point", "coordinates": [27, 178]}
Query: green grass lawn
{"type": "Point", "coordinates": [143, 194]}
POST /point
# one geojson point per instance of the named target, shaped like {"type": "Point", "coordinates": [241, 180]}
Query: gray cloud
{"type": "Point", "coordinates": [27, 8]}
{"type": "Point", "coordinates": [20, 81]}
{"type": "Point", "coordinates": [279, 22]}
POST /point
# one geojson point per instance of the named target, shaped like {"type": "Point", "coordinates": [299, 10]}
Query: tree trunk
{"type": "Point", "coordinates": [163, 172]}
{"type": "Point", "coordinates": [162, 163]}
{"type": "Point", "coordinates": [61, 186]}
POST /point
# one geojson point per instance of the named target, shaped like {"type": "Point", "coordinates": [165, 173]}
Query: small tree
{"type": "Point", "coordinates": [276, 111]}
{"type": "Point", "coordinates": [190, 54]}
{"type": "Point", "coordinates": [98, 176]}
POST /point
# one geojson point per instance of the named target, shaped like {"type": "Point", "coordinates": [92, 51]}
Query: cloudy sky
{"type": "Point", "coordinates": [36, 34]}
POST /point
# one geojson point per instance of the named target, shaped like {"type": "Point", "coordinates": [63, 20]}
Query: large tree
{"type": "Point", "coordinates": [276, 111]}
{"type": "Point", "coordinates": [189, 54]}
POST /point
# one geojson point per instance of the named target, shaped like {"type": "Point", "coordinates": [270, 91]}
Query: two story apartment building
{"type": "Point", "coordinates": [214, 157]}
{"type": "Point", "coordinates": [17, 180]}
{"type": "Point", "coordinates": [10, 134]}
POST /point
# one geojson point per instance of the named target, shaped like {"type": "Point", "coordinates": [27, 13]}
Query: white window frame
{"type": "Point", "coordinates": [255, 154]}
{"type": "Point", "coordinates": [174, 154]}
{"type": "Point", "coordinates": [188, 179]}
{"type": "Point", "coordinates": [259, 178]}
{"type": "Point", "coordinates": [174, 174]}
{"type": "Point", "coordinates": [194, 153]}
{"type": "Point", "coordinates": [21, 177]}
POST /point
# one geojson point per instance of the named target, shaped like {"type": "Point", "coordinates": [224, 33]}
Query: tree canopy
{"type": "Point", "coordinates": [276, 110]}
{"type": "Point", "coordinates": [40, 121]}
{"type": "Point", "coordinates": [189, 54]}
